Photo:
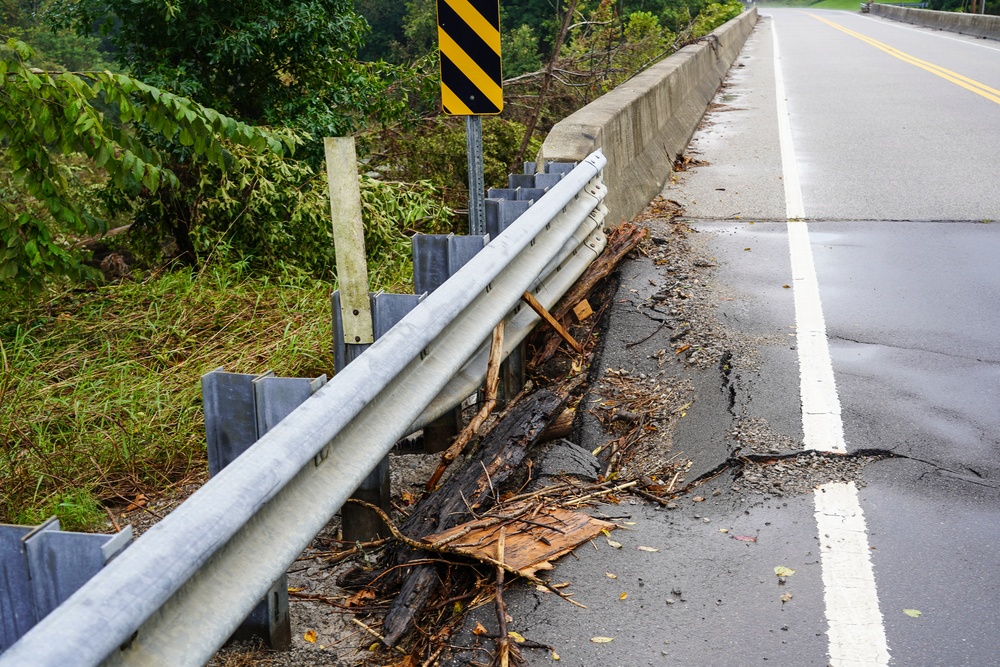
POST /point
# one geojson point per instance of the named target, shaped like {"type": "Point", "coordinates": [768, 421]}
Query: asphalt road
{"type": "Point", "coordinates": [884, 142]}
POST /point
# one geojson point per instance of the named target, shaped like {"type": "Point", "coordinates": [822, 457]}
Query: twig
{"type": "Point", "coordinates": [114, 523]}
{"type": "Point", "coordinates": [420, 544]}
{"type": "Point", "coordinates": [492, 385]}
{"type": "Point", "coordinates": [620, 487]}
{"type": "Point", "coordinates": [650, 496]}
{"type": "Point", "coordinates": [505, 650]}
{"type": "Point", "coordinates": [373, 633]}
{"type": "Point", "coordinates": [530, 299]}
{"type": "Point", "coordinates": [434, 656]}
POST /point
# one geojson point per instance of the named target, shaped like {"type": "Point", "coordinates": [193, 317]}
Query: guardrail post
{"type": "Point", "coordinates": [437, 257]}
{"type": "Point", "coordinates": [41, 567]}
{"type": "Point", "coordinates": [239, 409]}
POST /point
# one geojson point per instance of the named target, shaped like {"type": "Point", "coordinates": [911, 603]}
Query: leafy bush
{"type": "Point", "coordinates": [44, 117]}
{"type": "Point", "coordinates": [435, 151]}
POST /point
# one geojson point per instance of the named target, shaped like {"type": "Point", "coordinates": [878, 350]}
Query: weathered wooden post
{"type": "Point", "coordinates": [359, 523]}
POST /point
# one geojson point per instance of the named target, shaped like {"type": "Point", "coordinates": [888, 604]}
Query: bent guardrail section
{"type": "Point", "coordinates": [977, 25]}
{"type": "Point", "coordinates": [180, 590]}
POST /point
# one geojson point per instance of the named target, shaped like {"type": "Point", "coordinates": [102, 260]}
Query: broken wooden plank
{"type": "Point", "coordinates": [621, 241]}
{"type": "Point", "coordinates": [474, 487]}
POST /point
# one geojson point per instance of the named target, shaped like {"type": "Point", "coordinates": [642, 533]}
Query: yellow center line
{"type": "Point", "coordinates": [972, 85]}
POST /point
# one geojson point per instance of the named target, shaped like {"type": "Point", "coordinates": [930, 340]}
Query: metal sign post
{"type": "Point", "coordinates": [477, 188]}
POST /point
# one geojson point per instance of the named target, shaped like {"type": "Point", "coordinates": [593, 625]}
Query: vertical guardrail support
{"type": "Point", "coordinates": [239, 409]}
{"type": "Point", "coordinates": [42, 566]}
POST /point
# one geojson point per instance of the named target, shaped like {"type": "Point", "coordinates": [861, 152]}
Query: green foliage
{"type": "Point", "coordinates": [386, 21]}
{"type": "Point", "coordinates": [519, 49]}
{"type": "Point", "coordinates": [45, 116]}
{"type": "Point", "coordinates": [99, 389]}
{"type": "Point", "coordinates": [715, 15]}
{"type": "Point", "coordinates": [274, 62]}
{"type": "Point", "coordinates": [436, 151]}
{"type": "Point", "coordinates": [419, 30]}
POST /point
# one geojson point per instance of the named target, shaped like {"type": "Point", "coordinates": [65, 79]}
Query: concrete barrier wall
{"type": "Point", "coordinates": [966, 24]}
{"type": "Point", "coordinates": [645, 123]}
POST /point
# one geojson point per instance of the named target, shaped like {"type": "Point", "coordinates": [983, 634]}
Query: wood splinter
{"type": "Point", "coordinates": [529, 298]}
{"type": "Point", "coordinates": [492, 385]}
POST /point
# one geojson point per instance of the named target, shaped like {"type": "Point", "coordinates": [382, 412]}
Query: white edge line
{"type": "Point", "coordinates": [856, 631]}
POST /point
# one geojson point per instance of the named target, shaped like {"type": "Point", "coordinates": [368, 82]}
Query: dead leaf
{"type": "Point", "coordinates": [698, 499]}
{"type": "Point", "coordinates": [650, 549]}
{"type": "Point", "coordinates": [602, 640]}
{"type": "Point", "coordinates": [515, 636]}
{"type": "Point", "coordinates": [785, 597]}
{"type": "Point", "coordinates": [555, 656]}
{"type": "Point", "coordinates": [787, 286]}
{"type": "Point", "coordinates": [612, 543]}
{"type": "Point", "coordinates": [480, 629]}
{"type": "Point", "coordinates": [623, 595]}
{"type": "Point", "coordinates": [723, 530]}
{"type": "Point", "coordinates": [294, 590]}
{"type": "Point", "coordinates": [783, 571]}
{"type": "Point", "coordinates": [609, 575]}
{"type": "Point", "coordinates": [682, 348]}
{"type": "Point", "coordinates": [358, 599]}
{"type": "Point", "coordinates": [139, 501]}
{"type": "Point", "coordinates": [409, 498]}
{"type": "Point", "coordinates": [913, 613]}
{"type": "Point", "coordinates": [310, 636]}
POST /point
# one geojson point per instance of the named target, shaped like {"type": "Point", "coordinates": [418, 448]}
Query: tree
{"type": "Point", "coordinates": [274, 62]}
{"type": "Point", "coordinates": [44, 116]}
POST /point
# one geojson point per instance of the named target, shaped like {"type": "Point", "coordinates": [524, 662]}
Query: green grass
{"type": "Point", "coordinates": [100, 393]}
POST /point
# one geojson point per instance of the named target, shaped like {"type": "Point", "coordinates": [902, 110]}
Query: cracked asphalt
{"type": "Point", "coordinates": [899, 203]}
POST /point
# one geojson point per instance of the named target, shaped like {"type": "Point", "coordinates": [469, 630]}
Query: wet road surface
{"type": "Point", "coordinates": [887, 281]}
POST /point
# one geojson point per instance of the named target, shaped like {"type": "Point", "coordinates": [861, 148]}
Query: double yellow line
{"type": "Point", "coordinates": [972, 85]}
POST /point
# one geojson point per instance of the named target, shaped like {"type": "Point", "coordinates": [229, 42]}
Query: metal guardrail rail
{"type": "Point", "coordinates": [180, 590]}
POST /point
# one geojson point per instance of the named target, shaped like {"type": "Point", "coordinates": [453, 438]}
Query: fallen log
{"type": "Point", "coordinates": [471, 489]}
{"type": "Point", "coordinates": [621, 241]}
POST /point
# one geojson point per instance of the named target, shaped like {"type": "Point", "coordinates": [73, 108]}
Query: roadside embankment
{"type": "Point", "coordinates": [643, 124]}
{"type": "Point", "coordinates": [967, 24]}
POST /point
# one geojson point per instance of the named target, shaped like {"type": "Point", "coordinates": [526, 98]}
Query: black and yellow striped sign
{"type": "Point", "coordinates": [469, 37]}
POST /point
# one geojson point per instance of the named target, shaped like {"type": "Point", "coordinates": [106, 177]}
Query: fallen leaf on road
{"type": "Point", "coordinates": [650, 549]}
{"type": "Point", "coordinates": [698, 499]}
{"type": "Point", "coordinates": [915, 613]}
{"type": "Point", "coordinates": [310, 636]}
{"type": "Point", "coordinates": [723, 530]}
{"type": "Point", "coordinates": [480, 629]}
{"type": "Point", "coordinates": [515, 636]}
{"type": "Point", "coordinates": [610, 575]}
{"type": "Point", "coordinates": [623, 595]}
{"type": "Point", "coordinates": [612, 543]}
{"type": "Point", "coordinates": [783, 571]}
{"type": "Point", "coordinates": [602, 640]}
{"type": "Point", "coordinates": [785, 597]}
{"type": "Point", "coordinates": [555, 656]}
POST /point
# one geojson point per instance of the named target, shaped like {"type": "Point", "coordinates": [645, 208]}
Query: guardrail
{"type": "Point", "coordinates": [977, 25]}
{"type": "Point", "coordinates": [180, 590]}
